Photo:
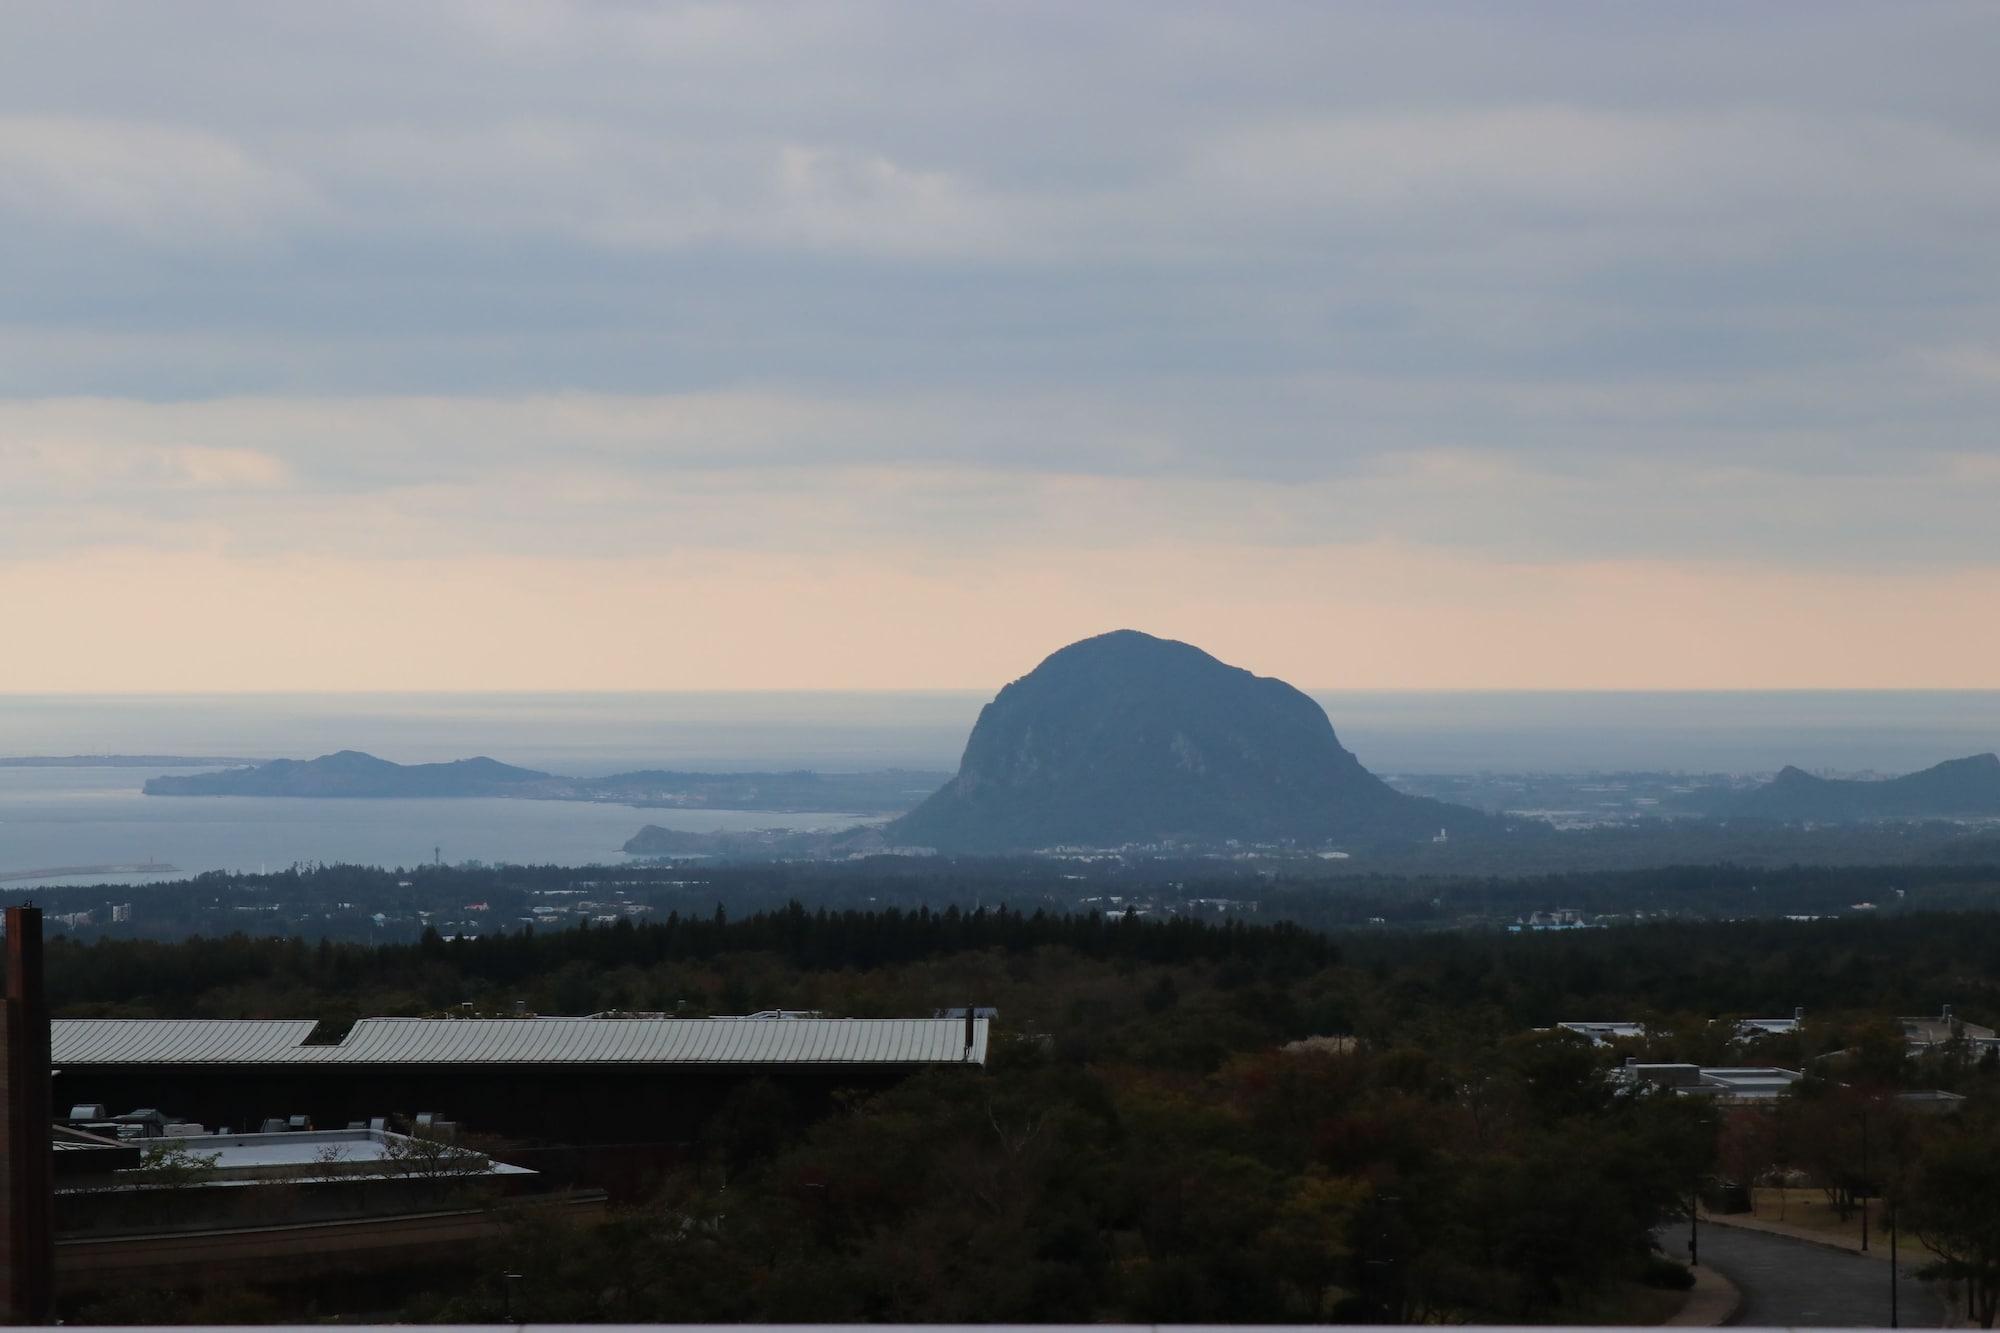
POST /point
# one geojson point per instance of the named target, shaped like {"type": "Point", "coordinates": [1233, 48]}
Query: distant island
{"type": "Point", "coordinates": [1967, 788]}
{"type": "Point", "coordinates": [351, 773]}
{"type": "Point", "coordinates": [1127, 739]}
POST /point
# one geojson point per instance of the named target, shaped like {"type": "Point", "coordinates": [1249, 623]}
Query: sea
{"type": "Point", "coordinates": [56, 818]}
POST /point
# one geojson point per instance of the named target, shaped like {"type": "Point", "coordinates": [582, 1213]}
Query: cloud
{"type": "Point", "coordinates": [588, 476]}
{"type": "Point", "coordinates": [1567, 165]}
{"type": "Point", "coordinates": [1554, 286]}
{"type": "Point", "coordinates": [38, 466]}
{"type": "Point", "coordinates": [154, 181]}
{"type": "Point", "coordinates": [624, 189]}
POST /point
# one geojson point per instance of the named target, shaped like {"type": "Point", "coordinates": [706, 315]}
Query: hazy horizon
{"type": "Point", "coordinates": [589, 734]}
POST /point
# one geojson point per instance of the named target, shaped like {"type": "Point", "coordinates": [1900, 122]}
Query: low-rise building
{"type": "Point", "coordinates": [1921, 1034]}
{"type": "Point", "coordinates": [1930, 1101]}
{"type": "Point", "coordinates": [1602, 1033]}
{"type": "Point", "coordinates": [550, 1083]}
{"type": "Point", "coordinates": [1558, 918]}
{"type": "Point", "coordinates": [1732, 1083]}
{"type": "Point", "coordinates": [1749, 1029]}
{"type": "Point", "coordinates": [277, 1207]}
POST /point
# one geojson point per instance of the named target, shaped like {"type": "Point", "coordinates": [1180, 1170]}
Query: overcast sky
{"type": "Point", "coordinates": [613, 345]}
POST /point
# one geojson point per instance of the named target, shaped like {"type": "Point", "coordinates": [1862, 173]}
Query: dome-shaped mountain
{"type": "Point", "coordinates": [1126, 738]}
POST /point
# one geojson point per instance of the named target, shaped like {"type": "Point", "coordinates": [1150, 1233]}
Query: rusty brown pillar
{"type": "Point", "coordinates": [28, 1173]}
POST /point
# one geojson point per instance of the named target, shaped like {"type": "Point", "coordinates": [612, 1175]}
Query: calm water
{"type": "Point", "coordinates": [60, 817]}
{"type": "Point", "coordinates": [95, 816]}
{"type": "Point", "coordinates": [581, 735]}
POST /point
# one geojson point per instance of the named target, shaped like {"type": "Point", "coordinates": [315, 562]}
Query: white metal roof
{"type": "Point", "coordinates": [583, 1041]}
{"type": "Point", "coordinates": [177, 1041]}
{"type": "Point", "coordinates": [658, 1041]}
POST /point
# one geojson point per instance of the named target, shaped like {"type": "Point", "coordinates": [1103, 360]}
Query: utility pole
{"type": "Point", "coordinates": [1694, 1223]}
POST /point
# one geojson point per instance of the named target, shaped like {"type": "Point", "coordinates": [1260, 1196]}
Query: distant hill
{"type": "Point", "coordinates": [1126, 738]}
{"type": "Point", "coordinates": [352, 773]}
{"type": "Point", "coordinates": [1956, 789]}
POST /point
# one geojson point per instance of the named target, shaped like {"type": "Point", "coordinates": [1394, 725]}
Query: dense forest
{"type": "Point", "coordinates": [1181, 1120]}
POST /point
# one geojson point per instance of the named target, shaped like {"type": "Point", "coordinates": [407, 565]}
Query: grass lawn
{"type": "Point", "coordinates": [1808, 1210]}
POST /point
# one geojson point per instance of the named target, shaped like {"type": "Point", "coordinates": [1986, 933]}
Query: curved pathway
{"type": "Point", "coordinates": [1795, 1283]}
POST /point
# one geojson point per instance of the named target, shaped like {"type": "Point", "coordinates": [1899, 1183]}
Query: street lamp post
{"type": "Point", "coordinates": [1866, 1186]}
{"type": "Point", "coordinates": [1892, 1263]}
{"type": "Point", "coordinates": [507, 1281]}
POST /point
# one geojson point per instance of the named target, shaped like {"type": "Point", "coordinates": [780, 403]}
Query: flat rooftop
{"type": "Point", "coordinates": [246, 1159]}
{"type": "Point", "coordinates": [309, 1148]}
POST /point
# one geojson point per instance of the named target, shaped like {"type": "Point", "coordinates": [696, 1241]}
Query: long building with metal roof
{"type": "Point", "coordinates": [619, 1041]}
{"type": "Point", "coordinates": [641, 1083]}
{"type": "Point", "coordinates": [81, 1043]}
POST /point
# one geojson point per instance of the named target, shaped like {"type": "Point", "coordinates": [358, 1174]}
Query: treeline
{"type": "Point", "coordinates": [1908, 964]}
{"type": "Point", "coordinates": [369, 904]}
{"type": "Point", "coordinates": [1720, 891]}
{"type": "Point", "coordinates": [861, 963]}
{"type": "Point", "coordinates": [1373, 983]}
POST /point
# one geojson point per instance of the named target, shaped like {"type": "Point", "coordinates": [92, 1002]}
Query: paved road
{"type": "Point", "coordinates": [1793, 1283]}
